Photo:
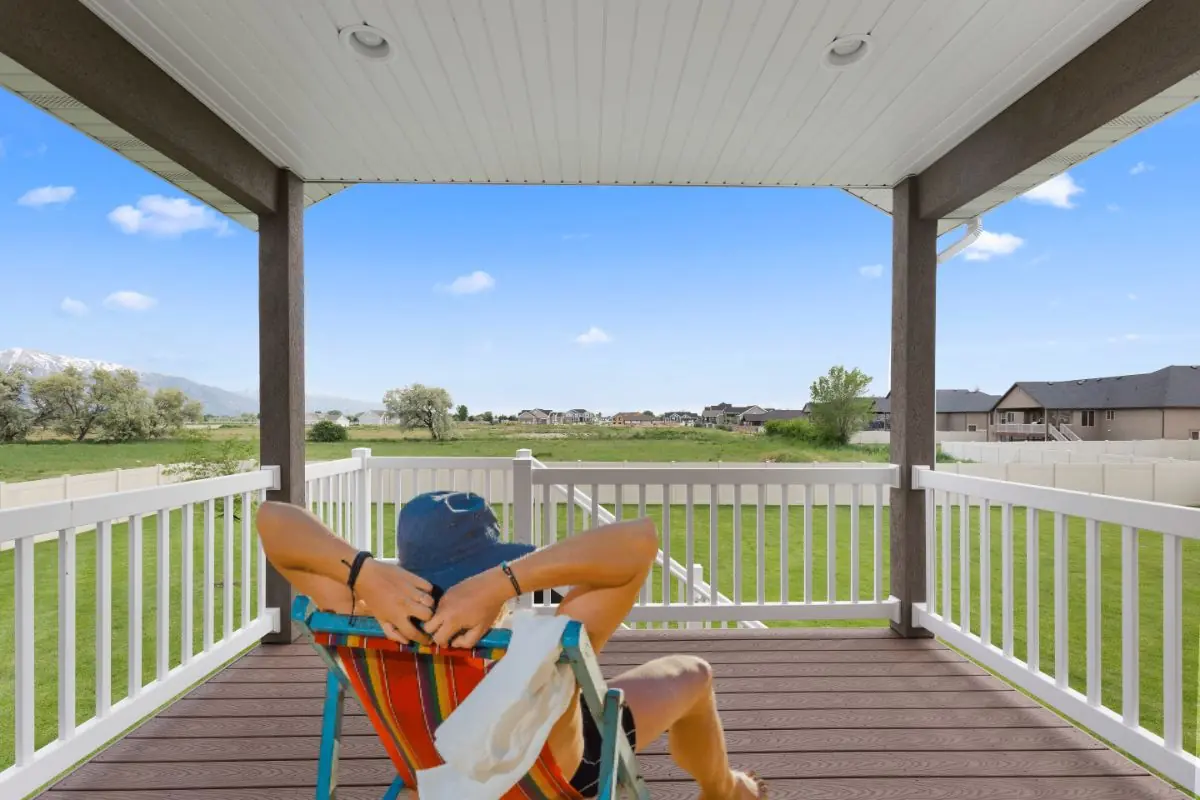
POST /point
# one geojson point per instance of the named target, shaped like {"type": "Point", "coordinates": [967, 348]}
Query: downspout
{"type": "Point", "coordinates": [974, 229]}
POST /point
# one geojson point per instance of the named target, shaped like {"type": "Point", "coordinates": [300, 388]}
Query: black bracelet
{"type": "Point", "coordinates": [513, 578]}
{"type": "Point", "coordinates": [355, 568]}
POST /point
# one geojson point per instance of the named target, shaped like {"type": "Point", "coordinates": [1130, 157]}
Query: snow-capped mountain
{"type": "Point", "coordinates": [220, 402]}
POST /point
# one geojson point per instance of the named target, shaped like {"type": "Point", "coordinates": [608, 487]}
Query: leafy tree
{"type": "Point", "coordinates": [487, 417]}
{"type": "Point", "coordinates": [334, 413]}
{"type": "Point", "coordinates": [205, 458]}
{"type": "Point", "coordinates": [800, 430]}
{"type": "Point", "coordinates": [648, 413]}
{"type": "Point", "coordinates": [128, 413]}
{"type": "Point", "coordinates": [840, 407]}
{"type": "Point", "coordinates": [67, 402]}
{"type": "Point", "coordinates": [419, 406]}
{"type": "Point", "coordinates": [460, 413]}
{"type": "Point", "coordinates": [327, 431]}
{"type": "Point", "coordinates": [172, 411]}
{"type": "Point", "coordinates": [15, 418]}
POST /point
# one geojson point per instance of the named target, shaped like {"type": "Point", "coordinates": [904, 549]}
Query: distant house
{"type": "Point", "coordinates": [374, 417]}
{"type": "Point", "coordinates": [1164, 404]}
{"type": "Point", "coordinates": [956, 410]}
{"type": "Point", "coordinates": [633, 418]}
{"type": "Point", "coordinates": [759, 418]}
{"type": "Point", "coordinates": [534, 416]}
{"type": "Point", "coordinates": [338, 419]}
{"type": "Point", "coordinates": [312, 419]}
{"type": "Point", "coordinates": [578, 416]}
{"type": "Point", "coordinates": [685, 418]}
{"type": "Point", "coordinates": [726, 414]}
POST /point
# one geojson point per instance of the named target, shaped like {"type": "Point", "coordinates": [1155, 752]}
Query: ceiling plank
{"type": "Point", "coordinates": [67, 45]}
{"type": "Point", "coordinates": [1155, 48]}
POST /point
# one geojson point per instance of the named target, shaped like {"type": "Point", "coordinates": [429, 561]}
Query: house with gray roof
{"type": "Point", "coordinates": [957, 410]}
{"type": "Point", "coordinates": [1164, 404]}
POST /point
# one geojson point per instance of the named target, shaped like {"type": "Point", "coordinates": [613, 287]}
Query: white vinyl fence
{"type": "Point", "coordinates": [1132, 452]}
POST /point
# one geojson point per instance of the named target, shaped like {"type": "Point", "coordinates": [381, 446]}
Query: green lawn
{"type": "Point", "coordinates": [1150, 609]}
{"type": "Point", "coordinates": [42, 459]}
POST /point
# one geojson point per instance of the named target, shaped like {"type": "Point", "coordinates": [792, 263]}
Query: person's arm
{"type": "Point", "coordinates": [317, 563]}
{"type": "Point", "coordinates": [613, 557]}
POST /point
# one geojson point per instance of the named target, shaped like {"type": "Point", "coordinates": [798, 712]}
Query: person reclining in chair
{"type": "Point", "coordinates": [450, 540]}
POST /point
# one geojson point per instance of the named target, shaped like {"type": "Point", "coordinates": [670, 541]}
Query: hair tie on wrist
{"type": "Point", "coordinates": [513, 578]}
{"type": "Point", "coordinates": [355, 568]}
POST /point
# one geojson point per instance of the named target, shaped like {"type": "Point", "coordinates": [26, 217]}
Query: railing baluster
{"type": "Point", "coordinates": [134, 577]}
{"type": "Point", "coordinates": [1033, 656]}
{"type": "Point", "coordinates": [964, 563]}
{"type": "Point", "coordinates": [321, 495]}
{"type": "Point", "coordinates": [808, 543]}
{"type": "Point", "coordinates": [398, 502]}
{"type": "Point", "coordinates": [1172, 643]}
{"type": "Point", "coordinates": [648, 586]}
{"type": "Point", "coordinates": [162, 594]}
{"type": "Point", "coordinates": [690, 542]}
{"type": "Point", "coordinates": [878, 551]}
{"type": "Point", "coordinates": [227, 572]}
{"type": "Point", "coordinates": [104, 586]}
{"type": "Point", "coordinates": [66, 633]}
{"type": "Point", "coordinates": [344, 506]}
{"type": "Point", "coordinates": [262, 567]}
{"type": "Point", "coordinates": [784, 513]}
{"type": "Point", "coordinates": [246, 557]}
{"type": "Point", "coordinates": [25, 666]}
{"type": "Point", "coordinates": [666, 546]}
{"type": "Point", "coordinates": [506, 483]}
{"type": "Point", "coordinates": [760, 578]}
{"type": "Point", "coordinates": [931, 603]}
{"type": "Point", "coordinates": [1095, 667]}
{"type": "Point", "coordinates": [985, 572]}
{"type": "Point", "coordinates": [186, 583]}
{"type": "Point", "coordinates": [713, 528]}
{"type": "Point", "coordinates": [737, 544]}
{"type": "Point", "coordinates": [548, 508]}
{"type": "Point", "coordinates": [830, 544]}
{"type": "Point", "coordinates": [381, 484]}
{"type": "Point", "coordinates": [1006, 578]}
{"type": "Point", "coordinates": [595, 520]}
{"type": "Point", "coordinates": [855, 552]}
{"type": "Point", "coordinates": [1062, 585]}
{"type": "Point", "coordinates": [1130, 649]}
{"type": "Point", "coordinates": [947, 575]}
{"type": "Point", "coordinates": [570, 510]}
{"type": "Point", "coordinates": [209, 570]}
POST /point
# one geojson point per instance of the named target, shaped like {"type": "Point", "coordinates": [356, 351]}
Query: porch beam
{"type": "Point", "coordinates": [1152, 50]}
{"type": "Point", "coordinates": [914, 285]}
{"type": "Point", "coordinates": [69, 46]}
{"type": "Point", "coordinates": [281, 362]}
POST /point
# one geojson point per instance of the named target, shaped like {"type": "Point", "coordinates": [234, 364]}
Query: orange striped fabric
{"type": "Point", "coordinates": [407, 694]}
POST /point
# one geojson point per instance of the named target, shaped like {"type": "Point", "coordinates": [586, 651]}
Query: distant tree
{"type": "Point", "coordinates": [327, 431]}
{"type": "Point", "coordinates": [334, 413]}
{"type": "Point", "coordinates": [460, 413]}
{"type": "Point", "coordinates": [420, 406]}
{"type": "Point", "coordinates": [127, 410]}
{"type": "Point", "coordinates": [486, 417]}
{"type": "Point", "coordinates": [648, 413]}
{"type": "Point", "coordinates": [172, 411]}
{"type": "Point", "coordinates": [205, 458]}
{"type": "Point", "coordinates": [65, 403]}
{"type": "Point", "coordinates": [15, 417]}
{"type": "Point", "coordinates": [840, 407]}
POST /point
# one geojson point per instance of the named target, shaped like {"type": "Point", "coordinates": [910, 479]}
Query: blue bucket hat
{"type": "Point", "coordinates": [447, 537]}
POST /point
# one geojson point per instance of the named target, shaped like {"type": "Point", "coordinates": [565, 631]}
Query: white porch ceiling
{"type": "Point", "coordinates": [630, 92]}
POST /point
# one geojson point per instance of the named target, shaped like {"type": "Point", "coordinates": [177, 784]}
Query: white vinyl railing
{"type": "Point", "coordinates": [1020, 427]}
{"type": "Point", "coordinates": [112, 529]}
{"type": "Point", "coordinates": [969, 520]}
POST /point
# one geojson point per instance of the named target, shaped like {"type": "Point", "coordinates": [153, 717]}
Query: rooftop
{"type": "Point", "coordinates": [1169, 387]}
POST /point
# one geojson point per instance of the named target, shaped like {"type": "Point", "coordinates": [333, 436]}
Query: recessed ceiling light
{"type": "Point", "coordinates": [846, 51]}
{"type": "Point", "coordinates": [366, 41]}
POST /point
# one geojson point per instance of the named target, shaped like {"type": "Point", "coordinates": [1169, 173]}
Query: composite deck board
{"type": "Point", "coordinates": [824, 714]}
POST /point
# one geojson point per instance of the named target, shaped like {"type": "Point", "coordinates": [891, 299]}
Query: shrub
{"type": "Point", "coordinates": [326, 431]}
{"type": "Point", "coordinates": [797, 430]}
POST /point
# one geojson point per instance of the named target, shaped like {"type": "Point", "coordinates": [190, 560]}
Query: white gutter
{"type": "Point", "coordinates": [974, 228]}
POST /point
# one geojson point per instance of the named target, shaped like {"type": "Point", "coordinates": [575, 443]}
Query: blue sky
{"type": "Point", "coordinates": [608, 298]}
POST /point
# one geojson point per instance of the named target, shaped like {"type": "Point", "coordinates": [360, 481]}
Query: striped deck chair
{"type": "Point", "coordinates": [408, 690]}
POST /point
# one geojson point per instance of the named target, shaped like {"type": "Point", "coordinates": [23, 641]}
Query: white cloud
{"type": "Point", "coordinates": [76, 308]}
{"type": "Point", "coordinates": [129, 301]}
{"type": "Point", "coordinates": [1140, 167]}
{"type": "Point", "coordinates": [478, 281]}
{"type": "Point", "coordinates": [46, 195]}
{"type": "Point", "coordinates": [156, 215]}
{"type": "Point", "coordinates": [991, 244]}
{"type": "Point", "coordinates": [593, 335]}
{"type": "Point", "coordinates": [871, 271]}
{"type": "Point", "coordinates": [1132, 296]}
{"type": "Point", "coordinates": [1056, 192]}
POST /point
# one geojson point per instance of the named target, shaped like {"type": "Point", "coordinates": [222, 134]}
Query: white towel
{"type": "Point", "coordinates": [495, 735]}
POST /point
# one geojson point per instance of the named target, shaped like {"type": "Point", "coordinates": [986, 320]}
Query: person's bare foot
{"type": "Point", "coordinates": [746, 786]}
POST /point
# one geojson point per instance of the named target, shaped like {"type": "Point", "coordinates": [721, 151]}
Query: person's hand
{"type": "Point", "coordinates": [392, 595]}
{"type": "Point", "coordinates": [469, 609]}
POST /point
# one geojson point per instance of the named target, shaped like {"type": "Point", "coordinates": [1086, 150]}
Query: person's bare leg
{"type": "Point", "coordinates": [674, 695]}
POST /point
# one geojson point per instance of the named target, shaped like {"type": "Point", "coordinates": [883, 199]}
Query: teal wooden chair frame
{"type": "Point", "coordinates": [618, 767]}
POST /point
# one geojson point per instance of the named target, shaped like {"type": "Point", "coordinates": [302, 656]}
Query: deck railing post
{"type": "Point", "coordinates": [914, 283]}
{"type": "Point", "coordinates": [362, 502]}
{"type": "Point", "coordinates": [522, 489]}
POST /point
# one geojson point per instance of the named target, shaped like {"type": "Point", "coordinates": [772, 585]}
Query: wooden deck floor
{"type": "Point", "coordinates": [831, 714]}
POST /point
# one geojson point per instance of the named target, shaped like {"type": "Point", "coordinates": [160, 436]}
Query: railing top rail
{"type": "Point", "coordinates": [18, 523]}
{"type": "Point", "coordinates": [325, 469]}
{"type": "Point", "coordinates": [791, 475]}
{"type": "Point", "coordinates": [1142, 514]}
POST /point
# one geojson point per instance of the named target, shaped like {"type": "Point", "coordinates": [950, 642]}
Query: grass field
{"type": "Point", "coordinates": [1150, 608]}
{"type": "Point", "coordinates": [43, 459]}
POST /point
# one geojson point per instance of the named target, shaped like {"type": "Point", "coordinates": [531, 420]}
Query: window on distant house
{"type": "Point", "coordinates": [971, 428]}
{"type": "Point", "coordinates": [1110, 415]}
{"type": "Point", "coordinates": [1087, 419]}
{"type": "Point", "coordinates": [1194, 435]}
{"type": "Point", "coordinates": [1009, 416]}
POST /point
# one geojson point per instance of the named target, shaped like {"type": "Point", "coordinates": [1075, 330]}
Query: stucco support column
{"type": "Point", "coordinates": [914, 323]}
{"type": "Point", "coordinates": [281, 363]}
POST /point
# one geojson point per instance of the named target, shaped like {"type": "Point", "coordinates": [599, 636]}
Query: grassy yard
{"type": "Point", "coordinates": [43, 459]}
